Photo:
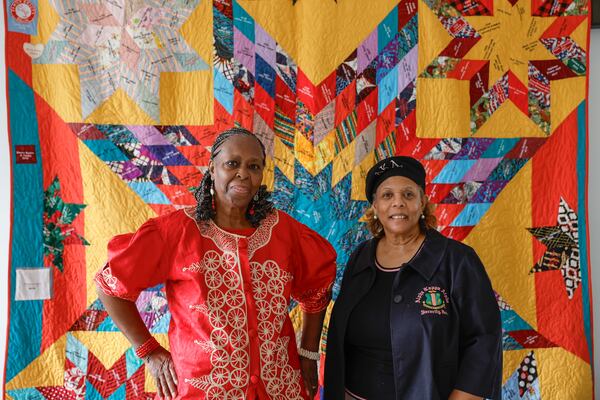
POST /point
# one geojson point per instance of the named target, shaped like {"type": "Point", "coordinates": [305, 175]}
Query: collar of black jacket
{"type": "Point", "coordinates": [425, 262]}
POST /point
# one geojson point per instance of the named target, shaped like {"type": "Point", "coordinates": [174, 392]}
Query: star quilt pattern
{"type": "Point", "coordinates": [114, 104]}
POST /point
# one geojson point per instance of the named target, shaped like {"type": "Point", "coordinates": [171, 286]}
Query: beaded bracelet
{"type": "Point", "coordinates": [147, 347]}
{"type": "Point", "coordinates": [309, 355]}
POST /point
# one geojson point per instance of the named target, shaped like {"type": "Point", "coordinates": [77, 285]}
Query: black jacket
{"type": "Point", "coordinates": [445, 323]}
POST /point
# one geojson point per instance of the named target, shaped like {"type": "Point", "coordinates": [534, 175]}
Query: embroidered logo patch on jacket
{"type": "Point", "coordinates": [433, 300]}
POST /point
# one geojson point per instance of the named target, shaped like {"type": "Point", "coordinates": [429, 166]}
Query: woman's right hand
{"type": "Point", "coordinates": [160, 365]}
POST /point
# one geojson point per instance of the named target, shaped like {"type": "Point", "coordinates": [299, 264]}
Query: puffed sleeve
{"type": "Point", "coordinates": [480, 351]}
{"type": "Point", "coordinates": [135, 262]}
{"type": "Point", "coordinates": [314, 272]}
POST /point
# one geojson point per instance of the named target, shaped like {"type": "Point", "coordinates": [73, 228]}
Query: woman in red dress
{"type": "Point", "coordinates": [230, 266]}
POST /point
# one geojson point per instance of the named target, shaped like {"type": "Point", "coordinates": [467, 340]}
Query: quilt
{"type": "Point", "coordinates": [113, 106]}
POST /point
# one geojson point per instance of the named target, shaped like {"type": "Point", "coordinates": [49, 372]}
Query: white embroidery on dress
{"type": "Point", "coordinates": [225, 307]}
{"type": "Point", "coordinates": [109, 279]}
{"type": "Point", "coordinates": [194, 267]}
{"type": "Point", "coordinates": [204, 383]}
{"type": "Point", "coordinates": [108, 283]}
{"type": "Point", "coordinates": [199, 308]}
{"type": "Point", "coordinates": [206, 346]}
{"type": "Point", "coordinates": [282, 382]}
{"type": "Point", "coordinates": [219, 338]}
{"type": "Point", "coordinates": [227, 242]}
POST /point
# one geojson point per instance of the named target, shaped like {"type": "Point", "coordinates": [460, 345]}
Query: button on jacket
{"type": "Point", "coordinates": [445, 323]}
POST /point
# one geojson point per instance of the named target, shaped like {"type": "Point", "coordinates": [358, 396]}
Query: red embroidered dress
{"type": "Point", "coordinates": [230, 334]}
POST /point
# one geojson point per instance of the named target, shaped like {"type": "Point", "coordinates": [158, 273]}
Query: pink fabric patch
{"type": "Point", "coordinates": [481, 170]}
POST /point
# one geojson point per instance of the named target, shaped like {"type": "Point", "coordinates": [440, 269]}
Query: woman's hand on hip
{"type": "Point", "coordinates": [160, 365]}
{"type": "Point", "coordinates": [309, 374]}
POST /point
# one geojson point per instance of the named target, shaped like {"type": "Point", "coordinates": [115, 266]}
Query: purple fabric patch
{"type": "Point", "coordinates": [481, 170]}
{"type": "Point", "coordinates": [130, 171]}
{"type": "Point", "coordinates": [152, 306]}
{"type": "Point", "coordinates": [473, 149]}
{"type": "Point", "coordinates": [488, 192]}
{"type": "Point", "coordinates": [168, 155]}
{"type": "Point", "coordinates": [387, 59]}
{"type": "Point", "coordinates": [407, 70]}
{"type": "Point", "coordinates": [265, 46]}
{"type": "Point", "coordinates": [148, 135]}
{"type": "Point", "coordinates": [367, 51]}
{"type": "Point", "coordinates": [243, 50]}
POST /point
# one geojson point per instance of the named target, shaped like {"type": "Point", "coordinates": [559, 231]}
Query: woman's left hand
{"type": "Point", "coordinates": [309, 374]}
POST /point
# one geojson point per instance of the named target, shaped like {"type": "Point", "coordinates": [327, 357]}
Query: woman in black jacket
{"type": "Point", "coordinates": [416, 317]}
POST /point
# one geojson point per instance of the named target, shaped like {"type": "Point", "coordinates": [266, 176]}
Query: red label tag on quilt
{"type": "Point", "coordinates": [25, 154]}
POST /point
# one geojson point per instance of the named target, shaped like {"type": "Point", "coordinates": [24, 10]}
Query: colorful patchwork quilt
{"type": "Point", "coordinates": [114, 104]}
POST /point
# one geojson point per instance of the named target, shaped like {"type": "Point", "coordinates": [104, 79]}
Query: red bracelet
{"type": "Point", "coordinates": [147, 347]}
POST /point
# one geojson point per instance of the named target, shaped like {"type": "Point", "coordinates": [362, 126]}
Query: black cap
{"type": "Point", "coordinates": [394, 166]}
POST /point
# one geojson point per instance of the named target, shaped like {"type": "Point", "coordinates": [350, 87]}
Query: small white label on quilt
{"type": "Point", "coordinates": [33, 284]}
{"type": "Point", "coordinates": [33, 50]}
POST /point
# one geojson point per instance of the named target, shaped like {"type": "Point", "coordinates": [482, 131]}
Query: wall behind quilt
{"type": "Point", "coordinates": [493, 184]}
{"type": "Point", "coordinates": [4, 201]}
{"type": "Point", "coordinates": [594, 189]}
